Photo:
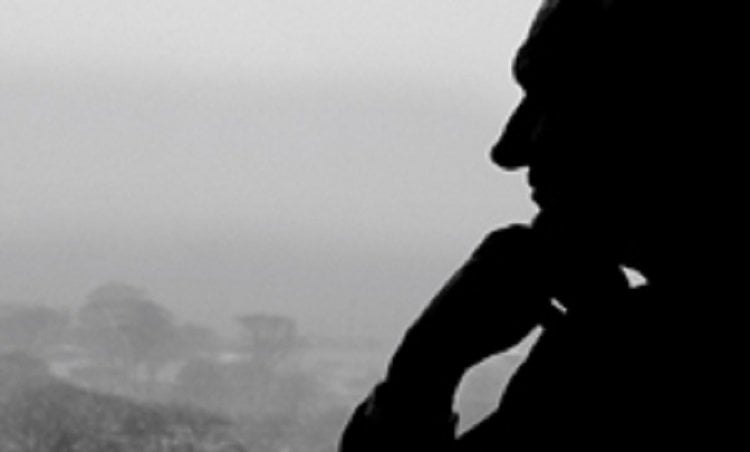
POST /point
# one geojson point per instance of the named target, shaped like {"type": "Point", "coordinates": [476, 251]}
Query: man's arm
{"type": "Point", "coordinates": [490, 304]}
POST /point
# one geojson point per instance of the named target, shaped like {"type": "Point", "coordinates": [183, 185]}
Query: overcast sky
{"type": "Point", "coordinates": [321, 158]}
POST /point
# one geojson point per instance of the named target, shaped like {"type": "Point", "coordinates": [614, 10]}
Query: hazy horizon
{"type": "Point", "coordinates": [323, 159]}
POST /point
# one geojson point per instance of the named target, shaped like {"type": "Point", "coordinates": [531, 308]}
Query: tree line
{"type": "Point", "coordinates": [123, 352]}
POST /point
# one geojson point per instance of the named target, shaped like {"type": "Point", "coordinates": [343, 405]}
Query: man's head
{"type": "Point", "coordinates": [589, 129]}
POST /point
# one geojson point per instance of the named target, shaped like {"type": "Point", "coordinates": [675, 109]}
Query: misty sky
{"type": "Point", "coordinates": [321, 158]}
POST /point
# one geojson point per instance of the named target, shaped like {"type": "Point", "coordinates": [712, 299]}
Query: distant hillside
{"type": "Point", "coordinates": [40, 413]}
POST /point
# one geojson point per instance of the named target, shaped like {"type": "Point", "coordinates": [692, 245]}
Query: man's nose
{"type": "Point", "coordinates": [514, 148]}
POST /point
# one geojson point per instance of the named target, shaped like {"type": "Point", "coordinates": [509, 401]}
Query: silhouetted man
{"type": "Point", "coordinates": [596, 129]}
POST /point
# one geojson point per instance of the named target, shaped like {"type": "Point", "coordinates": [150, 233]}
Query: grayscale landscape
{"type": "Point", "coordinates": [219, 217]}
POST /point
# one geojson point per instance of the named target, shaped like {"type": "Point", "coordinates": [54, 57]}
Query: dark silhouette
{"type": "Point", "coordinates": [602, 118]}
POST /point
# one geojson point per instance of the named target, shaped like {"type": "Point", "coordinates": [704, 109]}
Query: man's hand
{"type": "Point", "coordinates": [488, 306]}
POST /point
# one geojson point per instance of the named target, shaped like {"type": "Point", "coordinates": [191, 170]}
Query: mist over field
{"type": "Point", "coordinates": [218, 217]}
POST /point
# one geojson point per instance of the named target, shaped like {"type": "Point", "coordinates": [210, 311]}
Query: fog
{"type": "Point", "coordinates": [324, 162]}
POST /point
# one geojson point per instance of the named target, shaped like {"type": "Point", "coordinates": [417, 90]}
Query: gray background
{"type": "Point", "coordinates": [320, 158]}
